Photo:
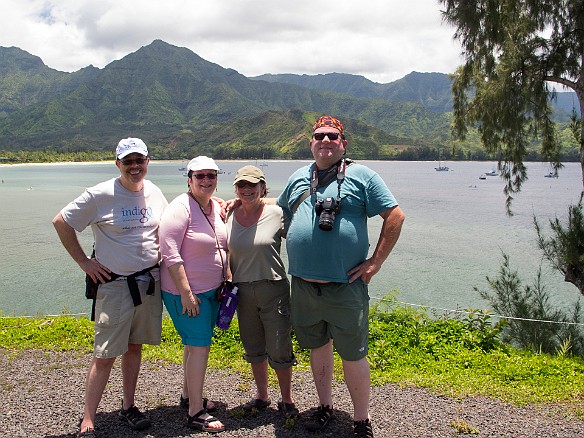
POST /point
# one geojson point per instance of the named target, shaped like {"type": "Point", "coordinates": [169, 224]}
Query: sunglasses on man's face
{"type": "Point", "coordinates": [200, 176]}
{"type": "Point", "coordinates": [242, 184]}
{"type": "Point", "coordinates": [321, 135]}
{"type": "Point", "coordinates": [130, 161]}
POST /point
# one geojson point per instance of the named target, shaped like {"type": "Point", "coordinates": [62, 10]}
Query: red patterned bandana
{"type": "Point", "coordinates": [329, 121]}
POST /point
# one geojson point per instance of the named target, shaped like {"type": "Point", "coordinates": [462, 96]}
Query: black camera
{"type": "Point", "coordinates": [326, 209]}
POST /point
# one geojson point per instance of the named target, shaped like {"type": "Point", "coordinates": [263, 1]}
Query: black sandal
{"type": "Point", "coordinates": [320, 418]}
{"type": "Point", "coordinates": [288, 409]}
{"type": "Point", "coordinates": [362, 429]}
{"type": "Point", "coordinates": [87, 433]}
{"type": "Point", "coordinates": [195, 422]}
{"type": "Point", "coordinates": [256, 404]}
{"type": "Point", "coordinates": [184, 404]}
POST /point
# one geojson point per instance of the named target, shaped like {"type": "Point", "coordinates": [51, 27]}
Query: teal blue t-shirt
{"type": "Point", "coordinates": [328, 255]}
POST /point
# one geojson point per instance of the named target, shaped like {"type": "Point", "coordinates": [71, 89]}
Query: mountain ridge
{"type": "Point", "coordinates": [177, 101]}
{"type": "Point", "coordinates": [406, 89]}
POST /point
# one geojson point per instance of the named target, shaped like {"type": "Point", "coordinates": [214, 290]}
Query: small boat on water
{"type": "Point", "coordinates": [441, 168]}
{"type": "Point", "coordinates": [483, 176]}
{"type": "Point", "coordinates": [552, 174]}
{"type": "Point", "coordinates": [263, 163]}
{"type": "Point", "coordinates": [492, 172]}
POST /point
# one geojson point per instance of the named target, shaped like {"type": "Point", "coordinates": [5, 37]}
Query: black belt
{"type": "Point", "coordinates": [132, 285]}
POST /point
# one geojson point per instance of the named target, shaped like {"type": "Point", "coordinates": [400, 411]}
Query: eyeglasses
{"type": "Point", "coordinates": [242, 184]}
{"type": "Point", "coordinates": [200, 176]}
{"type": "Point", "coordinates": [321, 135]}
{"type": "Point", "coordinates": [130, 161]}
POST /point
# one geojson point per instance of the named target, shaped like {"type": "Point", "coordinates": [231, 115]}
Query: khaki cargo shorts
{"type": "Point", "coordinates": [119, 323]}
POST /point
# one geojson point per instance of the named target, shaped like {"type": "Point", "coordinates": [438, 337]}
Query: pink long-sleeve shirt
{"type": "Point", "coordinates": [187, 237]}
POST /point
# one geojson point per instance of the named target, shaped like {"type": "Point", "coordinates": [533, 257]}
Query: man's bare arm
{"type": "Point", "coordinates": [69, 239]}
{"type": "Point", "coordinates": [393, 219]}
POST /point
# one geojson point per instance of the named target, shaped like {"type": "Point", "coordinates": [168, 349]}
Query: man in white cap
{"type": "Point", "coordinates": [122, 275]}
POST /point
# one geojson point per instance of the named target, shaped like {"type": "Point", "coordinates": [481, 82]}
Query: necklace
{"type": "Point", "coordinates": [209, 206]}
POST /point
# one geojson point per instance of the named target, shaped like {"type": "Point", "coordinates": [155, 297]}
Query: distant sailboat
{"type": "Point", "coordinates": [441, 168]}
{"type": "Point", "coordinates": [553, 173]}
{"type": "Point", "coordinates": [263, 163]}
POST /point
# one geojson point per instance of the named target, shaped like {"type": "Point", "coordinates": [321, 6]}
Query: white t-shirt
{"type": "Point", "coordinates": [124, 224]}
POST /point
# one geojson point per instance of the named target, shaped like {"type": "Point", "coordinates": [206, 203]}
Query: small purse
{"type": "Point", "coordinates": [229, 301]}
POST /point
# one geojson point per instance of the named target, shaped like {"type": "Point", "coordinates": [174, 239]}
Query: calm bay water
{"type": "Point", "coordinates": [455, 231]}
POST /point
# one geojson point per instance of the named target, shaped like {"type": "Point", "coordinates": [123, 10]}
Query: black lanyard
{"type": "Point", "coordinates": [340, 174]}
{"type": "Point", "coordinates": [214, 232]}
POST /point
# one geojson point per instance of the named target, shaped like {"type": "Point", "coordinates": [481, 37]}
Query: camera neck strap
{"type": "Point", "coordinates": [338, 171]}
{"type": "Point", "coordinates": [223, 270]}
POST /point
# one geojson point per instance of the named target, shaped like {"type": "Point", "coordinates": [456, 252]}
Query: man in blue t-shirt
{"type": "Point", "coordinates": [327, 244]}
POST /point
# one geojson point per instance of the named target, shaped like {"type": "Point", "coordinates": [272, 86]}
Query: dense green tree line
{"type": "Point", "coordinates": [52, 156]}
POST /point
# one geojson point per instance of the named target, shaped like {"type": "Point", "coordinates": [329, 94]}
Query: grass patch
{"type": "Point", "coordinates": [463, 428]}
{"type": "Point", "coordinates": [453, 357]}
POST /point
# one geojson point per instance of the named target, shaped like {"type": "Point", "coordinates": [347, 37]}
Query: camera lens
{"type": "Point", "coordinates": [326, 222]}
{"type": "Point", "coordinates": [326, 209]}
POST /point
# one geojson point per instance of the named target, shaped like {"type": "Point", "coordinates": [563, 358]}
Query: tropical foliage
{"type": "Point", "coordinates": [535, 323]}
{"type": "Point", "coordinates": [514, 51]}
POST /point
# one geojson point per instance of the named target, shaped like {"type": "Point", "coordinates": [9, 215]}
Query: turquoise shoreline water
{"type": "Point", "coordinates": [455, 231]}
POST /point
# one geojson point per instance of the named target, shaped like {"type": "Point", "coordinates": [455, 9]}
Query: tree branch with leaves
{"type": "Point", "coordinates": [514, 50]}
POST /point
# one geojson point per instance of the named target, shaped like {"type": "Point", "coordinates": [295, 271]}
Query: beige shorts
{"type": "Point", "coordinates": [119, 323]}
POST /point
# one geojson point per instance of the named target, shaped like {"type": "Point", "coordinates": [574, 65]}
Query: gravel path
{"type": "Point", "coordinates": [42, 396]}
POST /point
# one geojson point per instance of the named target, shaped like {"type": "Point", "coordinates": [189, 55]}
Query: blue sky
{"type": "Point", "coordinates": [382, 40]}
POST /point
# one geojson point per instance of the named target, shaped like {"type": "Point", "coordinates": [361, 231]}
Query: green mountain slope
{"type": "Point", "coordinates": [431, 90]}
{"type": "Point", "coordinates": [279, 135]}
{"type": "Point", "coordinates": [169, 95]}
{"type": "Point", "coordinates": [182, 104]}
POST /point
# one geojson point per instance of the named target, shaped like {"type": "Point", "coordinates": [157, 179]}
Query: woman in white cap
{"type": "Point", "coordinates": [255, 234]}
{"type": "Point", "coordinates": [193, 245]}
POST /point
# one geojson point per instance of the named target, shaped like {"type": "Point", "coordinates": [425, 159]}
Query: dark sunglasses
{"type": "Point", "coordinates": [321, 135]}
{"type": "Point", "coordinates": [242, 184]}
{"type": "Point", "coordinates": [131, 161]}
{"type": "Point", "coordinates": [200, 176]}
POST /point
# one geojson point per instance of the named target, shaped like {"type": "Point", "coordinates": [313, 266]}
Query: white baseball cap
{"type": "Point", "coordinates": [129, 146]}
{"type": "Point", "coordinates": [201, 163]}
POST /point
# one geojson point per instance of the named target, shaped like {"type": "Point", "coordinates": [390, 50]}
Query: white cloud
{"type": "Point", "coordinates": [382, 40]}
